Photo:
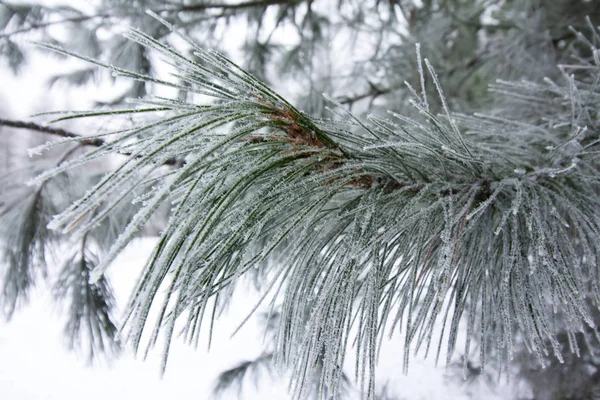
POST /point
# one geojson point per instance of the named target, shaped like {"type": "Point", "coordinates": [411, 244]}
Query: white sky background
{"type": "Point", "coordinates": [34, 363]}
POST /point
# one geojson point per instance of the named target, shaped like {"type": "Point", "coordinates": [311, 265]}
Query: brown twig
{"type": "Point", "coordinates": [51, 131]}
{"type": "Point", "coordinates": [95, 142]}
{"type": "Point", "coordinates": [227, 6]}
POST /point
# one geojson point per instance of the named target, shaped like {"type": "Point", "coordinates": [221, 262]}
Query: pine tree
{"type": "Point", "coordinates": [472, 203]}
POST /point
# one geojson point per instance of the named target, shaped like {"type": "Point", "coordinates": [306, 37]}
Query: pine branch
{"type": "Point", "coordinates": [90, 306]}
{"type": "Point", "coordinates": [26, 239]}
{"type": "Point", "coordinates": [235, 376]}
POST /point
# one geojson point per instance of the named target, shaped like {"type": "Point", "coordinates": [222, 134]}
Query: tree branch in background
{"type": "Point", "coordinates": [184, 8]}
{"type": "Point", "coordinates": [248, 4]}
{"type": "Point", "coordinates": [374, 93]}
{"type": "Point", "coordinates": [52, 131]}
{"type": "Point", "coordinates": [50, 23]}
{"type": "Point", "coordinates": [96, 142]}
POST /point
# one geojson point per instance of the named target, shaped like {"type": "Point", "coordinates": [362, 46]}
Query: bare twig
{"type": "Point", "coordinates": [42, 25]}
{"type": "Point", "coordinates": [227, 6]}
{"type": "Point", "coordinates": [373, 93]}
{"type": "Point", "coordinates": [96, 142]}
{"type": "Point", "coordinates": [52, 131]}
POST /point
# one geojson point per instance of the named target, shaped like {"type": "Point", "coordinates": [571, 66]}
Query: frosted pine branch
{"type": "Point", "coordinates": [383, 225]}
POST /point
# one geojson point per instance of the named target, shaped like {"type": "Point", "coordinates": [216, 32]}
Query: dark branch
{"type": "Point", "coordinates": [185, 8]}
{"type": "Point", "coordinates": [50, 23]}
{"type": "Point", "coordinates": [96, 142]}
{"type": "Point", "coordinates": [373, 93]}
{"type": "Point", "coordinates": [52, 131]}
{"type": "Point", "coordinates": [226, 6]}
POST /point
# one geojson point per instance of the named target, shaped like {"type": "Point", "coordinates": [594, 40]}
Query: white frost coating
{"type": "Point", "coordinates": [35, 151]}
{"type": "Point", "coordinates": [421, 77]}
{"type": "Point", "coordinates": [487, 202]}
{"type": "Point", "coordinates": [139, 220]}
